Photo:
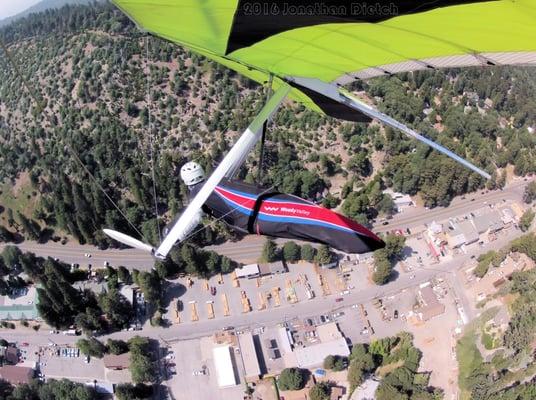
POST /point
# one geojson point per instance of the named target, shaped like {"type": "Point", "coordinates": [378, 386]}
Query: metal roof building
{"type": "Point", "coordinates": [491, 221]}
{"type": "Point", "coordinates": [252, 370]}
{"type": "Point", "coordinates": [285, 340]}
{"type": "Point", "coordinates": [247, 271]}
{"type": "Point", "coordinates": [273, 268]}
{"type": "Point", "coordinates": [225, 366]}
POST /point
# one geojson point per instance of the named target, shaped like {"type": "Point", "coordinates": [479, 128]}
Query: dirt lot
{"type": "Point", "coordinates": [435, 338]}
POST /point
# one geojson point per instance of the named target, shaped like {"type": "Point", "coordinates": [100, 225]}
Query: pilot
{"type": "Point", "coordinates": [255, 210]}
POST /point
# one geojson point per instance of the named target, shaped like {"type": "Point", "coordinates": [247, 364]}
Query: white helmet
{"type": "Point", "coordinates": [192, 173]}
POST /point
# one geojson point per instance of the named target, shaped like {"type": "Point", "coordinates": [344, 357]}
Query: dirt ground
{"type": "Point", "coordinates": [265, 391]}
{"type": "Point", "coordinates": [435, 338]}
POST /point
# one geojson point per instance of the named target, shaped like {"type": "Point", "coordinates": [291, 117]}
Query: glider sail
{"type": "Point", "coordinates": [338, 41]}
{"type": "Point", "coordinates": [252, 210]}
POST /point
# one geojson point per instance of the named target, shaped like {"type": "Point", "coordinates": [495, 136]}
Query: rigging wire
{"type": "Point", "coordinates": [67, 145]}
{"type": "Point", "coordinates": [151, 135]}
{"type": "Point", "coordinates": [264, 129]}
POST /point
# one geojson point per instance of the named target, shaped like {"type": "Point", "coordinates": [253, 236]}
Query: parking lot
{"type": "Point", "coordinates": [70, 364]}
{"type": "Point", "coordinates": [191, 356]}
{"type": "Point", "coordinates": [222, 296]}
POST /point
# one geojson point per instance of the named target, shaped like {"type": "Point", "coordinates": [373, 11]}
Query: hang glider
{"type": "Point", "coordinates": [308, 50]}
{"type": "Point", "coordinates": [255, 210]}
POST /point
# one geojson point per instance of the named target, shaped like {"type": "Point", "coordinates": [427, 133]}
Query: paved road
{"type": "Point", "coordinates": [249, 249]}
{"type": "Point", "coordinates": [317, 306]}
{"type": "Point", "coordinates": [74, 253]}
{"type": "Point", "coordinates": [412, 217]}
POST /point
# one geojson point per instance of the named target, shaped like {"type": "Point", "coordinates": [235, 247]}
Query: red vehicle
{"type": "Point", "coordinates": [339, 299]}
{"type": "Point", "coordinates": [213, 290]}
{"type": "Point", "coordinates": [25, 344]}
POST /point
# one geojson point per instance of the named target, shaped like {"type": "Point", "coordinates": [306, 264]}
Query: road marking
{"type": "Point", "coordinates": [262, 301]}
{"type": "Point", "coordinates": [277, 299]}
{"type": "Point", "coordinates": [210, 310]}
{"type": "Point", "coordinates": [246, 305]}
{"type": "Point", "coordinates": [226, 312]}
{"type": "Point", "coordinates": [195, 316]}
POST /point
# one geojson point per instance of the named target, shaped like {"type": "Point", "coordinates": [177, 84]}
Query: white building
{"type": "Point", "coordinates": [312, 356]}
{"type": "Point", "coordinates": [248, 271]}
{"type": "Point", "coordinates": [225, 366]}
{"type": "Point", "coordinates": [401, 200]}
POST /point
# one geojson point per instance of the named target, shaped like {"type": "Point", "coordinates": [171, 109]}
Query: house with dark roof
{"type": "Point", "coordinates": [16, 375]}
{"type": "Point", "coordinates": [116, 361]}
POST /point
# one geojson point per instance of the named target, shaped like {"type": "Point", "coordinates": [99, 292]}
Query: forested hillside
{"type": "Point", "coordinates": [106, 91]}
{"type": "Point", "coordinates": [497, 362]}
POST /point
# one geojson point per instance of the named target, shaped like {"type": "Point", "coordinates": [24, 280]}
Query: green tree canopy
{"type": "Point", "coordinates": [526, 220]}
{"type": "Point", "coordinates": [323, 255]}
{"type": "Point", "coordinates": [269, 251]}
{"type": "Point", "coordinates": [307, 253]}
{"type": "Point", "coordinates": [320, 391]}
{"type": "Point", "coordinates": [291, 252]}
{"type": "Point", "coordinates": [292, 379]}
{"type": "Point", "coordinates": [91, 347]}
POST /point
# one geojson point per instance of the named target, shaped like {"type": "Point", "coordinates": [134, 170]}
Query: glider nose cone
{"type": "Point", "coordinates": [374, 242]}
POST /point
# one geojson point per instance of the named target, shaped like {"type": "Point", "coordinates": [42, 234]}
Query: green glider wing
{"type": "Point", "coordinates": [337, 41]}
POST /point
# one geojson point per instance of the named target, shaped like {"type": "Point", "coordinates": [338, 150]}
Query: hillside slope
{"type": "Point", "coordinates": [89, 67]}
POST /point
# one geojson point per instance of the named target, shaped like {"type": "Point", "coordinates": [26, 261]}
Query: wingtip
{"type": "Point", "coordinates": [129, 240]}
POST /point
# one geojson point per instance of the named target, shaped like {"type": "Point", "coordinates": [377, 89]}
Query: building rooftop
{"type": "Point", "coordinates": [285, 340]}
{"type": "Point", "coordinates": [435, 228]}
{"type": "Point", "coordinates": [11, 355]}
{"type": "Point", "coordinates": [276, 267]}
{"type": "Point", "coordinates": [328, 332]}
{"type": "Point", "coordinates": [469, 231]}
{"type": "Point", "coordinates": [247, 270]}
{"type": "Point", "coordinates": [490, 220]}
{"type": "Point", "coordinates": [366, 391]}
{"type": "Point", "coordinates": [428, 296]}
{"type": "Point", "coordinates": [314, 355]}
{"type": "Point", "coordinates": [113, 361]}
{"type": "Point", "coordinates": [428, 312]}
{"type": "Point", "coordinates": [249, 355]}
{"type": "Point", "coordinates": [336, 393]}
{"type": "Point", "coordinates": [128, 292]}
{"type": "Point", "coordinates": [431, 307]}
{"type": "Point", "coordinates": [16, 375]}
{"type": "Point", "coordinates": [225, 370]}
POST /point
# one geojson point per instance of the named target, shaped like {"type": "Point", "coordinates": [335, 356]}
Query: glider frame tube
{"type": "Point", "coordinates": [336, 94]}
{"type": "Point", "coordinates": [243, 146]}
